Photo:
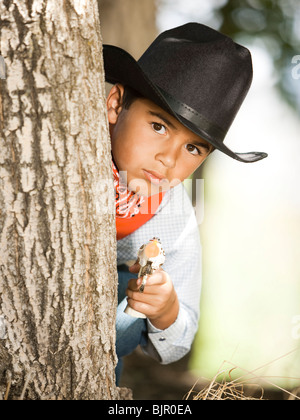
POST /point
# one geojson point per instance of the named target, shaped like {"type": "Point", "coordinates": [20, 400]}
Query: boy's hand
{"type": "Point", "coordinates": [159, 301]}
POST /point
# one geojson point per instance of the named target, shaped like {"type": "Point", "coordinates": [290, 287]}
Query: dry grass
{"type": "Point", "coordinates": [224, 387]}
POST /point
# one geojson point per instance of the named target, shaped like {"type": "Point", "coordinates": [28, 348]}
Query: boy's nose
{"type": "Point", "coordinates": [168, 157]}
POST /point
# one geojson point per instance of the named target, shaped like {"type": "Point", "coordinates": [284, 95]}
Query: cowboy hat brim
{"type": "Point", "coordinates": [121, 67]}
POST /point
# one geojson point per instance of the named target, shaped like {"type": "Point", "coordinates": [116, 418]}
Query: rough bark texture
{"type": "Point", "coordinates": [57, 230]}
{"type": "Point", "coordinates": [129, 24]}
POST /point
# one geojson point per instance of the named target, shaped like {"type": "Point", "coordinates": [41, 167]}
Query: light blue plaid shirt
{"type": "Point", "coordinates": [175, 225]}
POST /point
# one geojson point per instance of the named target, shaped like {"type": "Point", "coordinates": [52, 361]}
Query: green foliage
{"type": "Point", "coordinates": [276, 24]}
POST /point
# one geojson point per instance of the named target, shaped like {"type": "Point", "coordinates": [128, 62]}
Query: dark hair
{"type": "Point", "coordinates": [130, 95]}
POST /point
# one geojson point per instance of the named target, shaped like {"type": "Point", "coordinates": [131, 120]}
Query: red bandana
{"type": "Point", "coordinates": [128, 203]}
{"type": "Point", "coordinates": [132, 210]}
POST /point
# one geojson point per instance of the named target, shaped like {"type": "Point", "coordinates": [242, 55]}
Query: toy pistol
{"type": "Point", "coordinates": [151, 256]}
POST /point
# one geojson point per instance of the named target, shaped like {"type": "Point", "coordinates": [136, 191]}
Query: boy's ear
{"type": "Point", "coordinates": [114, 103]}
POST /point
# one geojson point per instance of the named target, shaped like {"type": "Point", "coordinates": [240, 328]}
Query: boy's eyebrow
{"type": "Point", "coordinates": [162, 117]}
{"type": "Point", "coordinates": [170, 124]}
{"type": "Point", "coordinates": [201, 144]}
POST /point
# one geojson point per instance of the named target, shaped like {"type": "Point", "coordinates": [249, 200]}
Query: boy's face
{"type": "Point", "coordinates": [156, 151]}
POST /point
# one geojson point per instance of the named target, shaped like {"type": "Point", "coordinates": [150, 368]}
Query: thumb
{"type": "Point", "coordinates": [135, 268]}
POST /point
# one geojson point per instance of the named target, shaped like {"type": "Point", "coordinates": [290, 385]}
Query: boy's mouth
{"type": "Point", "coordinates": [154, 177]}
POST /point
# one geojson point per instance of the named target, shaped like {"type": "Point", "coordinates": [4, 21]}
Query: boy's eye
{"type": "Point", "coordinates": [159, 128]}
{"type": "Point", "coordinates": [193, 149]}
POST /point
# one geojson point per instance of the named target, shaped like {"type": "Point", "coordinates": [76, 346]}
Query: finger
{"type": "Point", "coordinates": [145, 297]}
{"type": "Point", "coordinates": [159, 277]}
{"type": "Point", "coordinates": [148, 293]}
{"type": "Point", "coordinates": [143, 307]}
{"type": "Point", "coordinates": [133, 285]}
{"type": "Point", "coordinates": [135, 268]}
{"type": "Point", "coordinates": [136, 295]}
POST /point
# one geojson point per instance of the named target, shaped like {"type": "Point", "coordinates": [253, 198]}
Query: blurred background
{"type": "Point", "coordinates": [250, 305]}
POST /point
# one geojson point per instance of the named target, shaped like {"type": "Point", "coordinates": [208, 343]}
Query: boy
{"type": "Point", "coordinates": [167, 113]}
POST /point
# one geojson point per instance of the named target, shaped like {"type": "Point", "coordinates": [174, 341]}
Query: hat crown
{"type": "Point", "coordinates": [202, 68]}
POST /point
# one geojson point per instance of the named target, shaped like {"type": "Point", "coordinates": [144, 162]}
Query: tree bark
{"type": "Point", "coordinates": [58, 282]}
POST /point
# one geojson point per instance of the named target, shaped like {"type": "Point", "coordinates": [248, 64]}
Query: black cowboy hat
{"type": "Point", "coordinates": [195, 73]}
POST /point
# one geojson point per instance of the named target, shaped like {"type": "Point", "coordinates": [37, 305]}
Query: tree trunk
{"type": "Point", "coordinates": [58, 282]}
{"type": "Point", "coordinates": [129, 24]}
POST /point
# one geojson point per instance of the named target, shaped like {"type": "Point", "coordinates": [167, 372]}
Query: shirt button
{"type": "Point", "coordinates": [162, 339]}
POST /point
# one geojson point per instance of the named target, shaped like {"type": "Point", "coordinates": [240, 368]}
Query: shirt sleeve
{"type": "Point", "coordinates": [183, 264]}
